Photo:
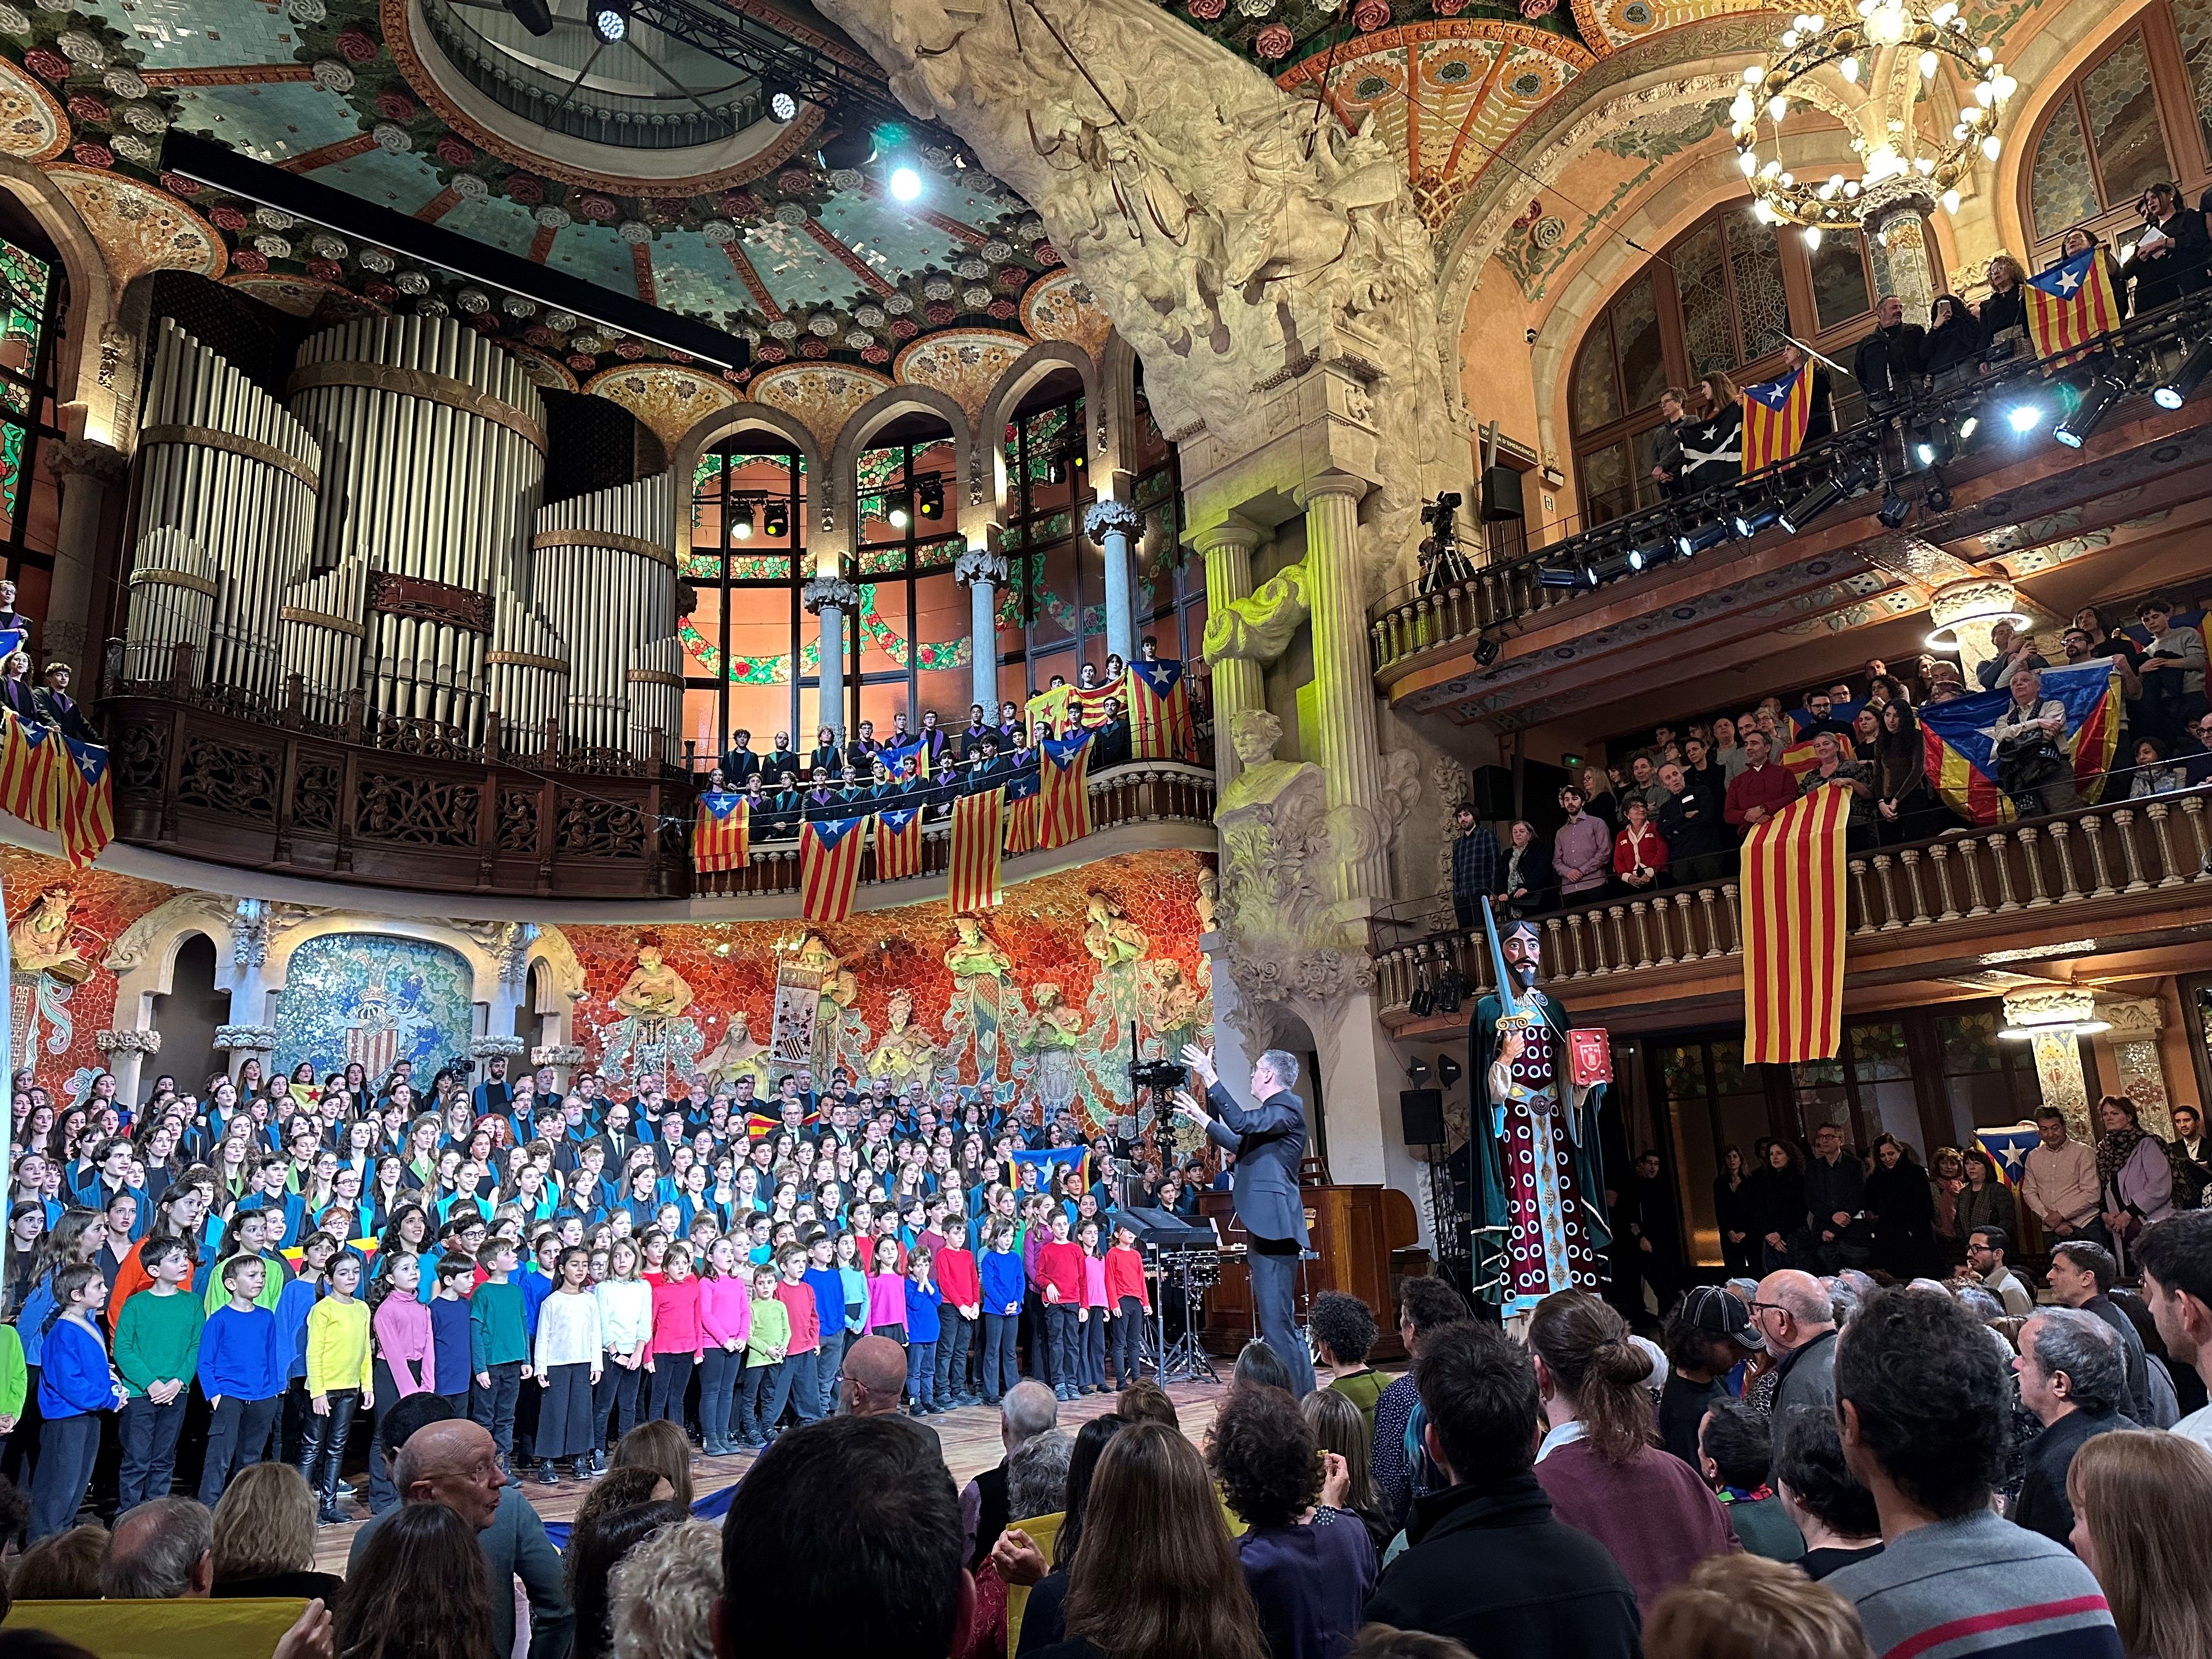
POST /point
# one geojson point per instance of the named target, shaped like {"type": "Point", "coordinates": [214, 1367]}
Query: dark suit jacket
{"type": "Point", "coordinates": [1269, 1140]}
{"type": "Point", "coordinates": [20, 698]}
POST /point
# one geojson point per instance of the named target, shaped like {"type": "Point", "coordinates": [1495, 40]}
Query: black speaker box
{"type": "Point", "coordinates": [1421, 1113]}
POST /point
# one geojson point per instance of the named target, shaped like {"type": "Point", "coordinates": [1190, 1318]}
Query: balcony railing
{"type": "Point", "coordinates": [2103, 865]}
{"type": "Point", "coordinates": [1409, 622]}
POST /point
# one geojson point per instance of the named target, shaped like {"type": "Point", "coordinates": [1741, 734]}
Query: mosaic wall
{"type": "Point", "coordinates": [371, 998]}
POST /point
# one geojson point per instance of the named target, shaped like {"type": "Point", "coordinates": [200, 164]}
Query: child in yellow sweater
{"type": "Point", "coordinates": [340, 1381]}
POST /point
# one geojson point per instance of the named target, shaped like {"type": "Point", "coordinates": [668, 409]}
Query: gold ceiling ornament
{"type": "Point", "coordinates": [1878, 68]}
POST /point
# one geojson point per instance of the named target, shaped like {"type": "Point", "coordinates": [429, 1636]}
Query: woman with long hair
{"type": "Point", "coordinates": [1953, 350]}
{"type": "Point", "coordinates": [1776, 1205]}
{"type": "Point", "coordinates": [2003, 318]}
{"type": "Point", "coordinates": [1905, 808]}
{"type": "Point", "coordinates": [265, 1538]}
{"type": "Point", "coordinates": [2135, 1178]}
{"type": "Point", "coordinates": [1340, 1429]}
{"type": "Point", "coordinates": [418, 1592]}
{"type": "Point", "coordinates": [1733, 1191]}
{"type": "Point", "coordinates": [2141, 1502]}
{"type": "Point", "coordinates": [1712, 440]}
{"type": "Point", "coordinates": [1904, 1211]}
{"type": "Point", "coordinates": [1600, 1461]}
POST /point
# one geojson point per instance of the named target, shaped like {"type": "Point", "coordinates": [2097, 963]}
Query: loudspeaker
{"type": "Point", "coordinates": [1421, 1115]}
{"type": "Point", "coordinates": [1501, 494]}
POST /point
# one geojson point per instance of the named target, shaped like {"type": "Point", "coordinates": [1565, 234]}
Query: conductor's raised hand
{"type": "Point", "coordinates": [1185, 1106]}
{"type": "Point", "coordinates": [1201, 1062]}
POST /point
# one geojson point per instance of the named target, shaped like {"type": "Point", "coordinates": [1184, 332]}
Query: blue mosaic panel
{"type": "Point", "coordinates": [374, 998]}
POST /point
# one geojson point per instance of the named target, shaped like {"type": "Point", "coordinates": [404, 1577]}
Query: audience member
{"type": "Point", "coordinates": [2083, 1275]}
{"type": "Point", "coordinates": [1488, 1563]}
{"type": "Point", "coordinates": [2176, 1261]}
{"type": "Point", "coordinates": [1707, 1336]}
{"type": "Point", "coordinates": [1833, 1511]}
{"type": "Point", "coordinates": [1795, 1318]}
{"type": "Point", "coordinates": [1736, 1456]}
{"type": "Point", "coordinates": [661, 1446]}
{"type": "Point", "coordinates": [62, 1566]}
{"type": "Point", "coordinates": [1986, 1266]}
{"type": "Point", "coordinates": [1021, 1563]}
{"type": "Point", "coordinates": [1923, 1404]}
{"type": "Point", "coordinates": [1387, 1641]}
{"type": "Point", "coordinates": [415, 1592]}
{"type": "Point", "coordinates": [664, 1593]}
{"type": "Point", "coordinates": [1344, 1332]}
{"type": "Point", "coordinates": [1027, 1410]}
{"type": "Point", "coordinates": [2146, 1554]}
{"type": "Point", "coordinates": [1426, 1305]}
{"type": "Point", "coordinates": [875, 1373]}
{"type": "Point", "coordinates": [1739, 1606]}
{"type": "Point", "coordinates": [265, 1538]}
{"type": "Point", "coordinates": [1308, 1561]}
{"type": "Point", "coordinates": [2070, 1376]}
{"type": "Point", "coordinates": [1146, 1401]}
{"type": "Point", "coordinates": [1597, 1462]}
{"type": "Point", "coordinates": [159, 1551]}
{"type": "Point", "coordinates": [2059, 1182]}
{"type": "Point", "coordinates": [596, 1547]}
{"type": "Point", "coordinates": [1338, 1428]}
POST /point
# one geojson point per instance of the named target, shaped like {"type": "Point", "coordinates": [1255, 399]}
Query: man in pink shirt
{"type": "Point", "coordinates": [1582, 848]}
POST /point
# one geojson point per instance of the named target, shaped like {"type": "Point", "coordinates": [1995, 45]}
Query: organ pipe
{"type": "Point", "coordinates": [604, 577]}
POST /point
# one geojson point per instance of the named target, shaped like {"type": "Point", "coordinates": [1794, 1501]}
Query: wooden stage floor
{"type": "Point", "coordinates": [971, 1445]}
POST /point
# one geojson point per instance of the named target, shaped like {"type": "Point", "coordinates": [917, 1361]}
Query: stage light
{"type": "Point", "coordinates": [2176, 388]}
{"type": "Point", "coordinates": [741, 522]}
{"type": "Point", "coordinates": [906, 185]}
{"type": "Point", "coordinates": [775, 521]}
{"type": "Point", "coordinates": [1754, 520]}
{"type": "Point", "coordinates": [1967, 426]}
{"type": "Point", "coordinates": [929, 496]}
{"type": "Point", "coordinates": [2097, 402]}
{"type": "Point", "coordinates": [1553, 576]}
{"type": "Point", "coordinates": [1936, 498]}
{"type": "Point", "coordinates": [898, 518]}
{"type": "Point", "coordinates": [1486, 649]}
{"type": "Point", "coordinates": [782, 100]}
{"type": "Point", "coordinates": [855, 146]}
{"type": "Point", "coordinates": [1656, 551]}
{"type": "Point", "coordinates": [610, 20]}
{"type": "Point", "coordinates": [533, 15]}
{"type": "Point", "coordinates": [1711, 534]}
{"type": "Point", "coordinates": [1895, 509]}
{"type": "Point", "coordinates": [2025, 417]}
{"type": "Point", "coordinates": [1812, 504]}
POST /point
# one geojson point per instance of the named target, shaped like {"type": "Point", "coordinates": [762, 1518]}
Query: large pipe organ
{"type": "Point", "coordinates": [375, 550]}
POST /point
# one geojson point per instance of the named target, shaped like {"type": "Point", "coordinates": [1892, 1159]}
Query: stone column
{"type": "Point", "coordinates": [2133, 1040]}
{"type": "Point", "coordinates": [84, 468]}
{"type": "Point", "coordinates": [1111, 524]}
{"type": "Point", "coordinates": [1227, 549]}
{"type": "Point", "coordinates": [564, 1058]}
{"type": "Point", "coordinates": [2052, 1012]}
{"type": "Point", "coordinates": [240, 1043]}
{"type": "Point", "coordinates": [1343, 680]}
{"type": "Point", "coordinates": [829, 598]}
{"type": "Point", "coordinates": [125, 1053]}
{"type": "Point", "coordinates": [983, 569]}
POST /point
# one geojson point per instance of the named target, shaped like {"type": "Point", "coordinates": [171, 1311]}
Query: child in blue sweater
{"type": "Point", "coordinates": [242, 1371]}
{"type": "Point", "coordinates": [76, 1387]}
{"type": "Point", "coordinates": [450, 1334]}
{"type": "Point", "coordinates": [1005, 1284]}
{"type": "Point", "coordinates": [923, 1299]}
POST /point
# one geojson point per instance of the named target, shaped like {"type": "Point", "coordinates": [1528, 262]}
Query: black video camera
{"type": "Point", "coordinates": [1440, 510]}
{"type": "Point", "coordinates": [1160, 1075]}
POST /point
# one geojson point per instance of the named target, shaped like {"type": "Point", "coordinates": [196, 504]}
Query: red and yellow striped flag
{"type": "Point", "coordinates": [1088, 703]}
{"type": "Point", "coordinates": [88, 814]}
{"type": "Point", "coordinates": [1160, 726]}
{"type": "Point", "coordinates": [1025, 811]}
{"type": "Point", "coordinates": [721, 833]}
{"type": "Point", "coordinates": [978, 830]}
{"type": "Point", "coordinates": [1791, 920]}
{"type": "Point", "coordinates": [30, 772]}
{"type": "Point", "coordinates": [1775, 416]}
{"type": "Point", "coordinates": [2070, 304]}
{"type": "Point", "coordinates": [1065, 800]}
{"type": "Point", "coordinates": [830, 867]}
{"type": "Point", "coordinates": [898, 843]}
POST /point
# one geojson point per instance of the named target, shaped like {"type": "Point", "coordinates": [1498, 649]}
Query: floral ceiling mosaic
{"type": "Point", "coordinates": [805, 261]}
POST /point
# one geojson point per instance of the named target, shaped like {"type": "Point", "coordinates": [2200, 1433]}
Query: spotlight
{"type": "Point", "coordinates": [775, 521]}
{"type": "Point", "coordinates": [1936, 449]}
{"type": "Point", "coordinates": [2096, 402]}
{"type": "Point", "coordinates": [906, 185]}
{"type": "Point", "coordinates": [855, 146]}
{"type": "Point", "coordinates": [897, 517]}
{"type": "Point", "coordinates": [1895, 509]}
{"type": "Point", "coordinates": [1754, 520]}
{"type": "Point", "coordinates": [741, 522]}
{"type": "Point", "coordinates": [533, 15]}
{"type": "Point", "coordinates": [610, 20]}
{"type": "Point", "coordinates": [1812, 504]}
{"type": "Point", "coordinates": [1656, 551]}
{"type": "Point", "coordinates": [1486, 649]}
{"type": "Point", "coordinates": [929, 496]}
{"type": "Point", "coordinates": [2176, 389]}
{"type": "Point", "coordinates": [781, 99]}
{"type": "Point", "coordinates": [2026, 417]}
{"type": "Point", "coordinates": [1553, 576]}
{"type": "Point", "coordinates": [1936, 498]}
{"type": "Point", "coordinates": [1711, 535]}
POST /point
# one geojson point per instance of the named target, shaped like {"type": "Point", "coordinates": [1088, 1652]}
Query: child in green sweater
{"type": "Point", "coordinates": [157, 1353]}
{"type": "Point", "coordinates": [766, 1387]}
{"type": "Point", "coordinates": [498, 1347]}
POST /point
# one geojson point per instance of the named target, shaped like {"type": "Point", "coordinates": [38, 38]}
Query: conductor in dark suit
{"type": "Point", "coordinates": [1269, 1140]}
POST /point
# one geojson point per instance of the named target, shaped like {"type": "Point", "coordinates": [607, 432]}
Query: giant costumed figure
{"type": "Point", "coordinates": [1538, 1183]}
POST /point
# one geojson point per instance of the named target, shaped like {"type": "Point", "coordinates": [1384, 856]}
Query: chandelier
{"type": "Point", "coordinates": [1877, 69]}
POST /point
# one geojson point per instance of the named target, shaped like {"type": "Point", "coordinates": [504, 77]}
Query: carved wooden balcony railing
{"type": "Point", "coordinates": [2095, 874]}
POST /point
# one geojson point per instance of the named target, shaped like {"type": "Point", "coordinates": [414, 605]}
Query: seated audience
{"type": "Point", "coordinates": [2070, 1376]}
{"type": "Point", "coordinates": [1736, 1456]}
{"type": "Point", "coordinates": [661, 1447]}
{"type": "Point", "coordinates": [418, 1591]}
{"type": "Point", "coordinates": [62, 1566]}
{"type": "Point", "coordinates": [664, 1593]}
{"type": "Point", "coordinates": [596, 1547]}
{"type": "Point", "coordinates": [1344, 1333]}
{"type": "Point", "coordinates": [2146, 1554]}
{"type": "Point", "coordinates": [1028, 1410]}
{"type": "Point", "coordinates": [1338, 1429]}
{"type": "Point", "coordinates": [265, 1538]}
{"type": "Point", "coordinates": [1021, 1563]}
{"type": "Point", "coordinates": [159, 1551]}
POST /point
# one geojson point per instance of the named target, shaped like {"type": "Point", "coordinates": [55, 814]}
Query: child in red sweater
{"type": "Point", "coordinates": [959, 1278]}
{"type": "Point", "coordinates": [680, 1340]}
{"type": "Point", "coordinates": [1060, 1276]}
{"type": "Point", "coordinates": [802, 1356]}
{"type": "Point", "coordinates": [1129, 1301]}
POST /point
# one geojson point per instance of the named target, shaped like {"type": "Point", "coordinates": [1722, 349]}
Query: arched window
{"type": "Point", "coordinates": [32, 306]}
{"type": "Point", "coordinates": [750, 654]}
{"type": "Point", "coordinates": [1170, 596]}
{"type": "Point", "coordinates": [1052, 612]}
{"type": "Point", "coordinates": [910, 635]}
{"type": "Point", "coordinates": [1724, 295]}
{"type": "Point", "coordinates": [2139, 111]}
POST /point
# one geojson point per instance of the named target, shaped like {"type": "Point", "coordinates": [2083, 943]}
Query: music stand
{"type": "Point", "coordinates": [1192, 1254]}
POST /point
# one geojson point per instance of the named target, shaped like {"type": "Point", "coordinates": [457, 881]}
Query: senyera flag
{"type": "Point", "coordinates": [1160, 713]}
{"type": "Point", "coordinates": [1775, 416]}
{"type": "Point", "coordinates": [978, 830]}
{"type": "Point", "coordinates": [1791, 921]}
{"type": "Point", "coordinates": [898, 843]}
{"type": "Point", "coordinates": [1961, 748]}
{"type": "Point", "coordinates": [1066, 796]}
{"type": "Point", "coordinates": [830, 866]}
{"type": "Point", "coordinates": [2070, 304]}
{"type": "Point", "coordinates": [721, 833]}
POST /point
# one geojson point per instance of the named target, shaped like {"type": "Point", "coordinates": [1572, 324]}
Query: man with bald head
{"type": "Point", "coordinates": [1792, 1314]}
{"type": "Point", "coordinates": [439, 1458]}
{"type": "Point", "coordinates": [874, 1373]}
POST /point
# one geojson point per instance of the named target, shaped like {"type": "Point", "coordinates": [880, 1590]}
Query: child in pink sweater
{"type": "Point", "coordinates": [725, 1317]}
{"type": "Point", "coordinates": [679, 1342]}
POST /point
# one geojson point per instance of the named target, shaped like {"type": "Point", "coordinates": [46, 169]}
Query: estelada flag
{"type": "Point", "coordinates": [88, 802]}
{"type": "Point", "coordinates": [1960, 742]}
{"type": "Point", "coordinates": [1025, 811]}
{"type": "Point", "coordinates": [895, 756]}
{"type": "Point", "coordinates": [2070, 304]}
{"type": "Point", "coordinates": [978, 828]}
{"type": "Point", "coordinates": [898, 843]}
{"type": "Point", "coordinates": [721, 833]}
{"type": "Point", "coordinates": [2008, 1149]}
{"type": "Point", "coordinates": [1051, 712]}
{"type": "Point", "coordinates": [1791, 920]}
{"type": "Point", "coordinates": [30, 772]}
{"type": "Point", "coordinates": [1064, 796]}
{"type": "Point", "coordinates": [830, 866]}
{"type": "Point", "coordinates": [1775, 416]}
{"type": "Point", "coordinates": [1160, 713]}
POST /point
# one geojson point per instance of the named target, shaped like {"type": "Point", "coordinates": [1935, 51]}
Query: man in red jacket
{"type": "Point", "coordinates": [1763, 788]}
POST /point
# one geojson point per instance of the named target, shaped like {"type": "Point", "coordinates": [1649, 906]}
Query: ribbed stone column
{"type": "Point", "coordinates": [1227, 549]}
{"type": "Point", "coordinates": [982, 570]}
{"type": "Point", "coordinates": [1113, 523]}
{"type": "Point", "coordinates": [1343, 682]}
{"type": "Point", "coordinates": [829, 598]}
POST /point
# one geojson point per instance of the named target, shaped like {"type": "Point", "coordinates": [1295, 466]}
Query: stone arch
{"type": "Point", "coordinates": [871, 417]}
{"type": "Point", "coordinates": [144, 957]}
{"type": "Point", "coordinates": [2047, 63]}
{"type": "Point", "coordinates": [710, 430]}
{"type": "Point", "coordinates": [1045, 358]}
{"type": "Point", "coordinates": [90, 327]}
{"type": "Point", "coordinates": [561, 987]}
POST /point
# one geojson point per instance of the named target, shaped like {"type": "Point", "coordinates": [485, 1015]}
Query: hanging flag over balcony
{"type": "Point", "coordinates": [1065, 815]}
{"type": "Point", "coordinates": [88, 802]}
{"type": "Point", "coordinates": [31, 768]}
{"type": "Point", "coordinates": [721, 833]}
{"type": "Point", "coordinates": [898, 843]}
{"type": "Point", "coordinates": [1160, 726]}
{"type": "Point", "coordinates": [1025, 811]}
{"type": "Point", "coordinates": [1791, 923]}
{"type": "Point", "coordinates": [830, 866]}
{"type": "Point", "coordinates": [2070, 304]}
{"type": "Point", "coordinates": [1961, 741]}
{"type": "Point", "coordinates": [1775, 416]}
{"type": "Point", "coordinates": [978, 829]}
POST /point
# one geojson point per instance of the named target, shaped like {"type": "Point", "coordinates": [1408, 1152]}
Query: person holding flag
{"type": "Point", "coordinates": [2030, 757]}
{"type": "Point", "coordinates": [1777, 414]}
{"type": "Point", "coordinates": [2075, 301]}
{"type": "Point", "coordinates": [1712, 442]}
